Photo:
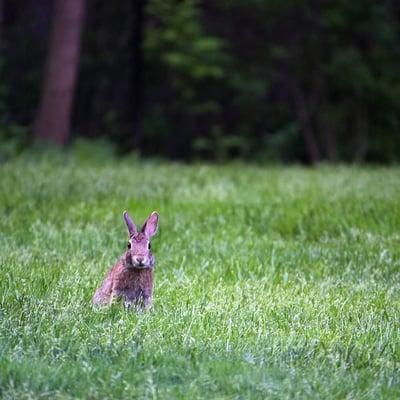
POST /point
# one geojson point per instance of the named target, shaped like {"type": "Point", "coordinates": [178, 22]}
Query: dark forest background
{"type": "Point", "coordinates": [291, 81]}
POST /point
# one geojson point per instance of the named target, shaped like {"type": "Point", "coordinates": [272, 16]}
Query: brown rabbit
{"type": "Point", "coordinates": [131, 278]}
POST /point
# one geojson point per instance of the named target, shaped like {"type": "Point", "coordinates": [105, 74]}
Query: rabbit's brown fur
{"type": "Point", "coordinates": [131, 278]}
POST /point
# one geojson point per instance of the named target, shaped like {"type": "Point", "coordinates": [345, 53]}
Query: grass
{"type": "Point", "coordinates": [271, 282]}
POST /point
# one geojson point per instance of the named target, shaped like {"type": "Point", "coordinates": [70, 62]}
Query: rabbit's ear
{"type": "Point", "coordinates": [129, 223]}
{"type": "Point", "coordinates": [149, 228]}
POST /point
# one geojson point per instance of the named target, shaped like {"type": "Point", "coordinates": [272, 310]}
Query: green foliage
{"type": "Point", "coordinates": [220, 146]}
{"type": "Point", "coordinates": [269, 54]}
{"type": "Point", "coordinates": [185, 62]}
{"type": "Point", "coordinates": [13, 139]}
{"type": "Point", "coordinates": [223, 79]}
{"type": "Point", "coordinates": [176, 38]}
{"type": "Point", "coordinates": [93, 151]}
{"type": "Point", "coordinates": [270, 283]}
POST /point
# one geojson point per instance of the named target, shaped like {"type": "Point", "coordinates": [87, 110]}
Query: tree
{"type": "Point", "coordinates": [52, 123]}
{"type": "Point", "coordinates": [136, 65]}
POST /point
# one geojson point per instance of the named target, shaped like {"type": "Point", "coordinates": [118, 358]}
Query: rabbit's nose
{"type": "Point", "coordinates": [139, 260]}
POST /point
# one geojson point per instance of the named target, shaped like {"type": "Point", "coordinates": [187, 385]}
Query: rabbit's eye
{"type": "Point", "coordinates": [129, 245]}
{"type": "Point", "coordinates": [149, 246]}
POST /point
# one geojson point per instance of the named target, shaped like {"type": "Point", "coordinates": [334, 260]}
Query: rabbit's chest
{"type": "Point", "coordinates": [133, 284]}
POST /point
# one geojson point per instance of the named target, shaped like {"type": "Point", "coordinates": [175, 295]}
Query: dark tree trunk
{"type": "Point", "coordinates": [361, 139]}
{"type": "Point", "coordinates": [136, 65]}
{"type": "Point", "coordinates": [326, 124]}
{"type": "Point", "coordinates": [331, 142]}
{"type": "Point", "coordinates": [1, 19]}
{"type": "Point", "coordinates": [302, 112]}
{"type": "Point", "coordinates": [52, 123]}
{"type": "Point", "coordinates": [304, 118]}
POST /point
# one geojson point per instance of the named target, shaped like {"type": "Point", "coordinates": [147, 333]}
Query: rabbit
{"type": "Point", "coordinates": [131, 278]}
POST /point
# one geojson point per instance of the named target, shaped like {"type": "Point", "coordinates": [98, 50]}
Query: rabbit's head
{"type": "Point", "coordinates": [139, 249]}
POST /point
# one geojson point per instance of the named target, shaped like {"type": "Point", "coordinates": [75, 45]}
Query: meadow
{"type": "Point", "coordinates": [271, 282]}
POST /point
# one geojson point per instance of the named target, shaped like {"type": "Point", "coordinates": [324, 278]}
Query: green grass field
{"type": "Point", "coordinates": [271, 282]}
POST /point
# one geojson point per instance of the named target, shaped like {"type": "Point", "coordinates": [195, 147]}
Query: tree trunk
{"type": "Point", "coordinates": [1, 19]}
{"type": "Point", "coordinates": [52, 123]}
{"type": "Point", "coordinates": [306, 126]}
{"type": "Point", "coordinates": [331, 142]}
{"type": "Point", "coordinates": [136, 67]}
{"type": "Point", "coordinates": [361, 139]}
